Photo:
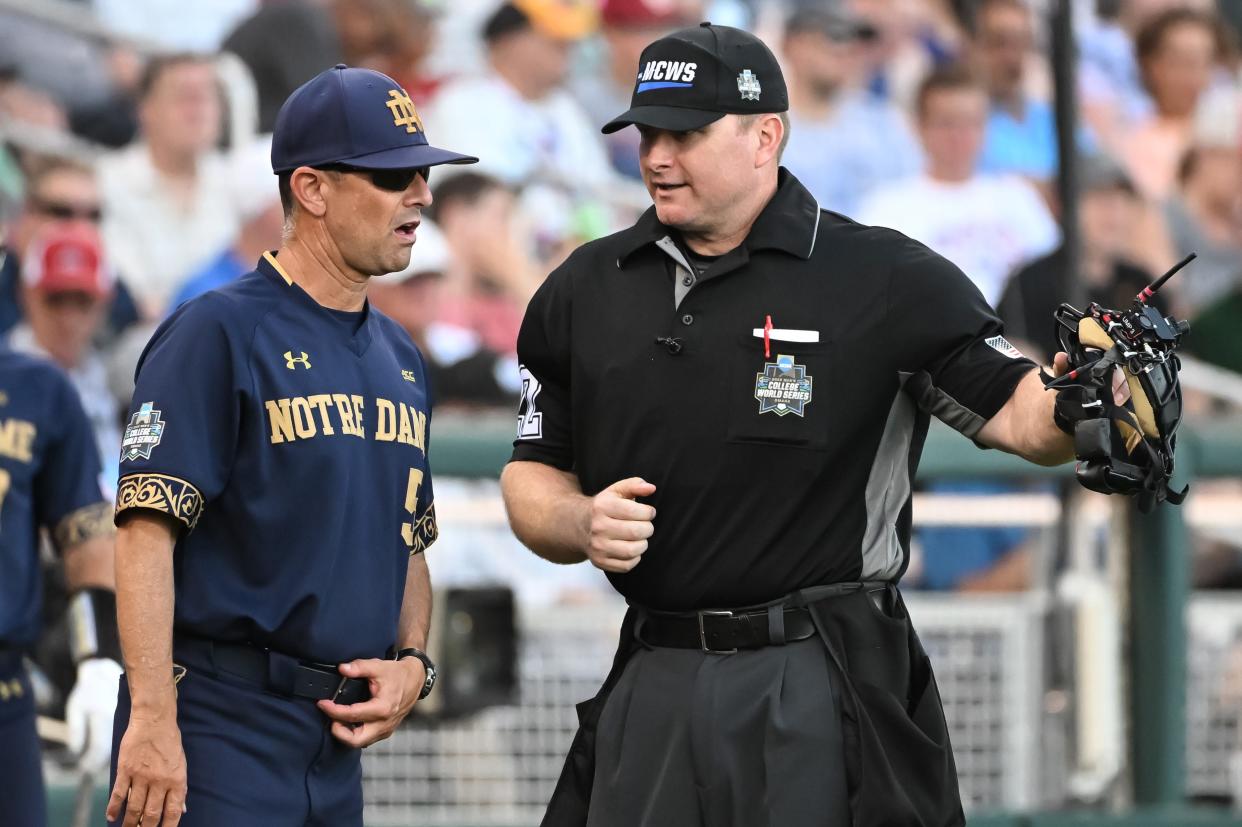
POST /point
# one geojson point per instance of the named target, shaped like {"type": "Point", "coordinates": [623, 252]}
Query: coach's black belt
{"type": "Point", "coordinates": [272, 671]}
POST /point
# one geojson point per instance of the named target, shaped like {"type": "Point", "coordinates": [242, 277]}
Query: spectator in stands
{"type": "Point", "coordinates": [286, 44]}
{"type": "Point", "coordinates": [988, 225]}
{"type": "Point", "coordinates": [1021, 135]}
{"type": "Point", "coordinates": [262, 223]}
{"type": "Point", "coordinates": [1177, 52]}
{"type": "Point", "coordinates": [168, 209]}
{"type": "Point", "coordinates": [1204, 213]}
{"type": "Point", "coordinates": [113, 121]}
{"type": "Point", "coordinates": [23, 103]}
{"type": "Point", "coordinates": [627, 26]}
{"type": "Point", "coordinates": [490, 277]}
{"type": "Point", "coordinates": [58, 192]}
{"type": "Point", "coordinates": [1113, 98]}
{"type": "Point", "coordinates": [403, 52]}
{"type": "Point", "coordinates": [461, 369]}
{"type": "Point", "coordinates": [912, 39]}
{"type": "Point", "coordinates": [1109, 214]}
{"type": "Point", "coordinates": [526, 129]}
{"type": "Point", "coordinates": [66, 285]}
{"type": "Point", "coordinates": [843, 141]}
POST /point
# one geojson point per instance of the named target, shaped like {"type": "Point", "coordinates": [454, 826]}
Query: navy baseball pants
{"type": "Point", "coordinates": [255, 759]}
{"type": "Point", "coordinates": [21, 768]}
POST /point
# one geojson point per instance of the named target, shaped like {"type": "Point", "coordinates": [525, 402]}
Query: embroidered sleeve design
{"type": "Point", "coordinates": [425, 531]}
{"type": "Point", "coordinates": [160, 492]}
{"type": "Point", "coordinates": [84, 524]}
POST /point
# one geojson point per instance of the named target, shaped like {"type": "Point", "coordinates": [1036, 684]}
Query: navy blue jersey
{"type": "Point", "coordinates": [290, 441]}
{"type": "Point", "coordinates": [49, 478]}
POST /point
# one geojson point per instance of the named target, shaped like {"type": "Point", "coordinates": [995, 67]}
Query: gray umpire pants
{"type": "Point", "coordinates": [750, 739]}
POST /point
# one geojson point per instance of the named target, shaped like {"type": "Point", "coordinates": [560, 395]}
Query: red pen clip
{"type": "Point", "coordinates": [767, 342]}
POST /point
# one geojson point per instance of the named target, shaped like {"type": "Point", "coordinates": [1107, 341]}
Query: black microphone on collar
{"type": "Point", "coordinates": [672, 343]}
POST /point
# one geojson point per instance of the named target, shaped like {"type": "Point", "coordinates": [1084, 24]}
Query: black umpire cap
{"type": "Point", "coordinates": [696, 76]}
{"type": "Point", "coordinates": [352, 116]}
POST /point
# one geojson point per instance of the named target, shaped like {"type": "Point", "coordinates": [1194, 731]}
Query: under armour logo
{"type": "Point", "coordinates": [403, 112]}
{"type": "Point", "coordinates": [291, 360]}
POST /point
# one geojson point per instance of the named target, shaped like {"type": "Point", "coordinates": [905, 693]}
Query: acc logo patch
{"type": "Point", "coordinates": [1001, 345]}
{"type": "Point", "coordinates": [142, 434]}
{"type": "Point", "coordinates": [784, 387]}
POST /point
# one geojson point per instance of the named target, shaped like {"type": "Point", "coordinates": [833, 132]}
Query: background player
{"type": "Point", "coordinates": [49, 479]}
{"type": "Point", "coordinates": [280, 492]}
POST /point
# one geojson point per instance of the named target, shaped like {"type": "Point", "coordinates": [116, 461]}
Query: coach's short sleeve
{"type": "Point", "coordinates": [67, 495]}
{"type": "Point", "coordinates": [182, 431]}
{"type": "Point", "coordinates": [958, 364]}
{"type": "Point", "coordinates": [545, 416]}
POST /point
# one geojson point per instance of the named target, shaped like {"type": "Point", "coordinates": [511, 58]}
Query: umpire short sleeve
{"type": "Point", "coordinates": [958, 364]}
{"type": "Point", "coordinates": [181, 436]}
{"type": "Point", "coordinates": [545, 417]}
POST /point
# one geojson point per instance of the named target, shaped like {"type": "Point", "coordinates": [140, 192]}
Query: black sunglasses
{"type": "Point", "coordinates": [393, 180]}
{"type": "Point", "coordinates": [67, 212]}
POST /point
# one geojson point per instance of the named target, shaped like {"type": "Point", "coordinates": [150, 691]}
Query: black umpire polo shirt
{"type": "Point", "coordinates": [778, 464]}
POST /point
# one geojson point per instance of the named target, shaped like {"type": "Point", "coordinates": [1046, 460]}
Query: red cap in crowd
{"type": "Point", "coordinates": [635, 13]}
{"type": "Point", "coordinates": [65, 258]}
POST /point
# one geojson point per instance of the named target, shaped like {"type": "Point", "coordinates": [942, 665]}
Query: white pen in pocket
{"type": "Point", "coordinates": [788, 334]}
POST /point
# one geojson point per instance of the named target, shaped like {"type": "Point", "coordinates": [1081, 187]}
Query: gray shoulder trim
{"type": "Point", "coordinates": [944, 407]}
{"type": "Point", "coordinates": [888, 490]}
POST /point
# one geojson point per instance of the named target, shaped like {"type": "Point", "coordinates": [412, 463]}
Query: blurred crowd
{"type": "Point", "coordinates": [134, 169]}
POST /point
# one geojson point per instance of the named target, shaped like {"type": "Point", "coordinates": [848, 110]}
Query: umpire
{"type": "Point", "coordinates": [723, 409]}
{"type": "Point", "coordinates": [275, 496]}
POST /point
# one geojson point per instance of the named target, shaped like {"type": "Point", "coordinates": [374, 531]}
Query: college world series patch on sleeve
{"type": "Point", "coordinates": [142, 434]}
{"type": "Point", "coordinates": [1001, 345]}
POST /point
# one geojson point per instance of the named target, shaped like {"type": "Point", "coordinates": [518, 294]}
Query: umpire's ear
{"type": "Point", "coordinates": [308, 186]}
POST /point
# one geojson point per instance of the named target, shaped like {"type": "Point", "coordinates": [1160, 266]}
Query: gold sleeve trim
{"type": "Point", "coordinates": [426, 531]}
{"type": "Point", "coordinates": [159, 492]}
{"type": "Point", "coordinates": [86, 523]}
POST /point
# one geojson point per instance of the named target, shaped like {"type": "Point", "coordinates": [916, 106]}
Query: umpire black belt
{"type": "Point", "coordinates": [272, 671]}
{"type": "Point", "coordinates": [724, 631]}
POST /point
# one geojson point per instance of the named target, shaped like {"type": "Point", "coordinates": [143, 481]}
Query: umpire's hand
{"type": "Point", "coordinates": [395, 687]}
{"type": "Point", "coordinates": [618, 527]}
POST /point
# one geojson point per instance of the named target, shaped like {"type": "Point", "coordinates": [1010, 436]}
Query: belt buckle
{"type": "Point", "coordinates": [340, 687]}
{"type": "Point", "coordinates": [703, 632]}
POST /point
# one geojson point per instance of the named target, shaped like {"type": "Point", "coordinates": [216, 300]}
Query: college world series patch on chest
{"type": "Point", "coordinates": [142, 434]}
{"type": "Point", "coordinates": [784, 387]}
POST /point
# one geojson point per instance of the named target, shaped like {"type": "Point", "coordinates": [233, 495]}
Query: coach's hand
{"type": "Point", "coordinates": [150, 772]}
{"type": "Point", "coordinates": [618, 527]}
{"type": "Point", "coordinates": [395, 687]}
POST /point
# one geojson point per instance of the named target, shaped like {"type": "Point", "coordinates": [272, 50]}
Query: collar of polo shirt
{"type": "Point", "coordinates": [789, 222]}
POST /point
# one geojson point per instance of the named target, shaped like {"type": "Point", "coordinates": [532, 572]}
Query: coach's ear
{"type": "Point", "coordinates": [307, 185]}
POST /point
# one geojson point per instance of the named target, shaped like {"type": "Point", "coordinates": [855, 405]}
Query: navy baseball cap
{"type": "Point", "coordinates": [696, 76]}
{"type": "Point", "coordinates": [357, 117]}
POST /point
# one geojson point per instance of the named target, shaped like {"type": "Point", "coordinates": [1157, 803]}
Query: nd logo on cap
{"type": "Point", "coordinates": [403, 111]}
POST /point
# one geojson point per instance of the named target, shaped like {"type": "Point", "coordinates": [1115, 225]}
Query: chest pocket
{"type": "Point", "coordinates": [782, 399]}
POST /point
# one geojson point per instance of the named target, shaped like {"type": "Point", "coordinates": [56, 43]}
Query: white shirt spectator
{"type": "Point", "coordinates": [865, 143]}
{"type": "Point", "coordinates": [519, 141]}
{"type": "Point", "coordinates": [988, 226]}
{"type": "Point", "coordinates": [155, 237]}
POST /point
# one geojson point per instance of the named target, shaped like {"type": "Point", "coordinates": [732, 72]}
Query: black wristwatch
{"type": "Point", "coordinates": [427, 664]}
